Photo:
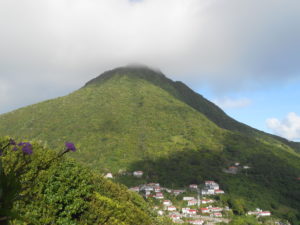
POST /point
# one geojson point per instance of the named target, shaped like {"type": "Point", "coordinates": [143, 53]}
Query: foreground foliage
{"type": "Point", "coordinates": [68, 193]}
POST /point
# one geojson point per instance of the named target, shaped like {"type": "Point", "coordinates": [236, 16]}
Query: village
{"type": "Point", "coordinates": [196, 204]}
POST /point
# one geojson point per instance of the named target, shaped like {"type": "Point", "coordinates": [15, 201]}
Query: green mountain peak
{"type": "Point", "coordinates": [135, 118]}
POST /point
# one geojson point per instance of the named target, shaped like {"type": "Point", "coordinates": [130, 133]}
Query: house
{"type": "Point", "coordinates": [192, 202]}
{"type": "Point", "coordinates": [174, 217]}
{"type": "Point", "coordinates": [171, 208]}
{"type": "Point", "coordinates": [217, 214]}
{"type": "Point", "coordinates": [185, 210]}
{"type": "Point", "coordinates": [204, 210]}
{"type": "Point", "coordinates": [192, 212]}
{"type": "Point", "coordinates": [154, 184]}
{"type": "Point", "coordinates": [196, 222]}
{"type": "Point", "coordinates": [206, 201]}
{"type": "Point", "coordinates": [168, 190]}
{"type": "Point", "coordinates": [237, 164]}
{"type": "Point", "coordinates": [177, 192]}
{"type": "Point", "coordinates": [157, 189]}
{"type": "Point", "coordinates": [233, 170]}
{"type": "Point", "coordinates": [159, 195]}
{"type": "Point", "coordinates": [218, 192]}
{"type": "Point", "coordinates": [136, 189]}
{"type": "Point", "coordinates": [193, 186]}
{"type": "Point", "coordinates": [216, 209]}
{"type": "Point", "coordinates": [109, 175]}
{"type": "Point", "coordinates": [246, 167]}
{"type": "Point", "coordinates": [138, 173]}
{"type": "Point", "coordinates": [207, 191]}
{"type": "Point", "coordinates": [264, 213]}
{"type": "Point", "coordinates": [186, 198]}
{"type": "Point", "coordinates": [256, 212]}
{"type": "Point", "coordinates": [160, 212]}
{"type": "Point", "coordinates": [147, 188]}
{"type": "Point", "coordinates": [167, 203]}
{"type": "Point", "coordinates": [211, 185]}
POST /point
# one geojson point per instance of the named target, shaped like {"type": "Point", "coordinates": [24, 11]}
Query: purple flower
{"type": "Point", "coordinates": [70, 146]}
{"type": "Point", "coordinates": [12, 142]}
{"type": "Point", "coordinates": [26, 147]}
{"type": "Point", "coordinates": [15, 148]}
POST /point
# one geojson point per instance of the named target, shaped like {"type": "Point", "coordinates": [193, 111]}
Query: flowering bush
{"type": "Point", "coordinates": [15, 162]}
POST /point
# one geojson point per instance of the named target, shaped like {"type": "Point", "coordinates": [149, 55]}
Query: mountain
{"type": "Point", "coordinates": [134, 118]}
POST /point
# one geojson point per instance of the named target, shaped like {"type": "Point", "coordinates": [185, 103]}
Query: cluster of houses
{"type": "Point", "coordinates": [211, 188]}
{"type": "Point", "coordinates": [192, 204]}
{"type": "Point", "coordinates": [196, 210]}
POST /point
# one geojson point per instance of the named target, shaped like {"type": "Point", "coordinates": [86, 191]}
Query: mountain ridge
{"type": "Point", "coordinates": [137, 119]}
{"type": "Point", "coordinates": [193, 99]}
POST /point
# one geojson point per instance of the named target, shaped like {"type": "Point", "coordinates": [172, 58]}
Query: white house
{"type": "Point", "coordinates": [187, 198]}
{"type": "Point", "coordinates": [218, 192]}
{"type": "Point", "coordinates": [138, 173]}
{"type": "Point", "coordinates": [216, 209]}
{"type": "Point", "coordinates": [109, 175]}
{"type": "Point", "coordinates": [171, 208]}
{"type": "Point", "coordinates": [167, 203]}
{"type": "Point", "coordinates": [160, 212]}
{"type": "Point", "coordinates": [174, 217]}
{"type": "Point", "coordinates": [136, 189]}
{"type": "Point", "coordinates": [208, 191]}
{"type": "Point", "coordinates": [159, 195]}
{"type": "Point", "coordinates": [264, 213]}
{"type": "Point", "coordinates": [196, 222]}
{"type": "Point", "coordinates": [192, 211]}
{"type": "Point", "coordinates": [185, 210]}
{"type": "Point", "coordinates": [217, 214]}
{"type": "Point", "coordinates": [177, 192]}
{"type": "Point", "coordinates": [207, 201]}
{"type": "Point", "coordinates": [192, 202]}
{"type": "Point", "coordinates": [205, 210]}
{"type": "Point", "coordinates": [193, 186]}
{"type": "Point", "coordinates": [157, 189]}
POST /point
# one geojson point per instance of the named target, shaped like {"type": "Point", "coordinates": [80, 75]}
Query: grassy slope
{"type": "Point", "coordinates": [116, 123]}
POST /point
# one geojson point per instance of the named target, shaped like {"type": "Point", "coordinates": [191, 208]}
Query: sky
{"type": "Point", "coordinates": [242, 55]}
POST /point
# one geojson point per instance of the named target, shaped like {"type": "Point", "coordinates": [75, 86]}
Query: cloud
{"type": "Point", "coordinates": [228, 45]}
{"type": "Point", "coordinates": [288, 128]}
{"type": "Point", "coordinates": [229, 103]}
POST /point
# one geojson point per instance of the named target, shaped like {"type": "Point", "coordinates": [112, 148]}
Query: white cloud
{"type": "Point", "coordinates": [229, 103]}
{"type": "Point", "coordinates": [227, 44]}
{"type": "Point", "coordinates": [288, 128]}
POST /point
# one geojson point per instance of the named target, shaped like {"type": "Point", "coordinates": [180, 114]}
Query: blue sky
{"type": "Point", "coordinates": [275, 101]}
{"type": "Point", "coordinates": [243, 55]}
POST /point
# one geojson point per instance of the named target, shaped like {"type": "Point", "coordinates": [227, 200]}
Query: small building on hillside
{"type": "Point", "coordinates": [218, 192]}
{"type": "Point", "coordinates": [192, 202]}
{"type": "Point", "coordinates": [136, 189]}
{"type": "Point", "coordinates": [171, 208]}
{"type": "Point", "coordinates": [204, 210]}
{"type": "Point", "coordinates": [177, 192]}
{"type": "Point", "coordinates": [188, 198]}
{"type": "Point", "coordinates": [108, 175]}
{"type": "Point", "coordinates": [167, 203]}
{"type": "Point", "coordinates": [193, 186]}
{"type": "Point", "coordinates": [138, 173]}
{"type": "Point", "coordinates": [196, 222]}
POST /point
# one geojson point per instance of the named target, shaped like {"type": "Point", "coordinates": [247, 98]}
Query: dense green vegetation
{"type": "Point", "coordinates": [69, 193]}
{"type": "Point", "coordinates": [137, 119]}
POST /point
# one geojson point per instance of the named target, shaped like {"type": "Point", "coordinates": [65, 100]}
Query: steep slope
{"type": "Point", "coordinates": [123, 119]}
{"type": "Point", "coordinates": [182, 92]}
